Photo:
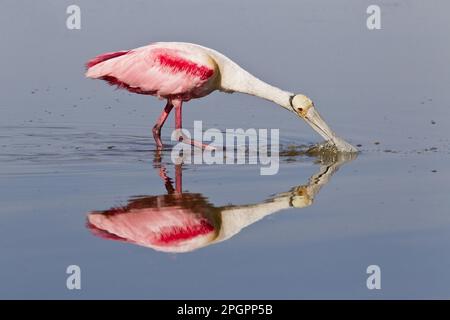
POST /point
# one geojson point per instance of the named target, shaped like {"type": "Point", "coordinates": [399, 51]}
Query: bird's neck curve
{"type": "Point", "coordinates": [235, 218]}
{"type": "Point", "coordinates": [245, 82]}
{"type": "Point", "coordinates": [233, 78]}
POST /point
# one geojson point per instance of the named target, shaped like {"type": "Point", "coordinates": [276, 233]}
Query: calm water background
{"type": "Point", "coordinates": [69, 145]}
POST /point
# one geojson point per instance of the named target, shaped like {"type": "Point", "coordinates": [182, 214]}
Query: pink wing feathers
{"type": "Point", "coordinates": [171, 229]}
{"type": "Point", "coordinates": [155, 70]}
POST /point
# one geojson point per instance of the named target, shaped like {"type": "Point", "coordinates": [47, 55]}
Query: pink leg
{"type": "Point", "coordinates": [178, 104]}
{"type": "Point", "coordinates": [178, 119]}
{"type": "Point", "coordinates": [166, 179]}
{"type": "Point", "coordinates": [168, 183]}
{"type": "Point", "coordinates": [178, 178]}
{"type": "Point", "coordinates": [157, 127]}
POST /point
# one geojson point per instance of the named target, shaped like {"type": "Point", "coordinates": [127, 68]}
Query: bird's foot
{"type": "Point", "coordinates": [157, 136]}
{"type": "Point", "coordinates": [195, 143]}
{"type": "Point", "coordinates": [200, 145]}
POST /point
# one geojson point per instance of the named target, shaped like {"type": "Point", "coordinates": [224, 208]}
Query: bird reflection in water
{"type": "Point", "coordinates": [183, 222]}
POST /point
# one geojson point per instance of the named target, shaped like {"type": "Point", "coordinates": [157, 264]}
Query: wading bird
{"type": "Point", "coordinates": [179, 72]}
{"type": "Point", "coordinates": [183, 222]}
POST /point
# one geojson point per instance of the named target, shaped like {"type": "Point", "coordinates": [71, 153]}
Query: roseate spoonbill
{"type": "Point", "coordinates": [182, 222]}
{"type": "Point", "coordinates": [179, 72]}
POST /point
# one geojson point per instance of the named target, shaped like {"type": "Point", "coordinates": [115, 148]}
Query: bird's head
{"type": "Point", "coordinates": [301, 104]}
{"type": "Point", "coordinates": [304, 108]}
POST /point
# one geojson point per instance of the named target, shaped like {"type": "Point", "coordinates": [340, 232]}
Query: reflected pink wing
{"type": "Point", "coordinates": [168, 229]}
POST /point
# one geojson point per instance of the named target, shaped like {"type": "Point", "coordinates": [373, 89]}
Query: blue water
{"type": "Point", "coordinates": [70, 146]}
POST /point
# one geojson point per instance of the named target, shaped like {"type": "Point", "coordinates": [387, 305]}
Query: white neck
{"type": "Point", "coordinates": [235, 79]}
{"type": "Point", "coordinates": [234, 219]}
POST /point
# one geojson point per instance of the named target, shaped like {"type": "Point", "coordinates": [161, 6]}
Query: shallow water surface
{"type": "Point", "coordinates": [81, 182]}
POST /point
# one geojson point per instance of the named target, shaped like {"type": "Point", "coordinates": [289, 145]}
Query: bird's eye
{"type": "Point", "coordinates": [300, 109]}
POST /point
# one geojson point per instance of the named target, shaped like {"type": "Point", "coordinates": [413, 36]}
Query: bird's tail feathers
{"type": "Point", "coordinates": [103, 57]}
